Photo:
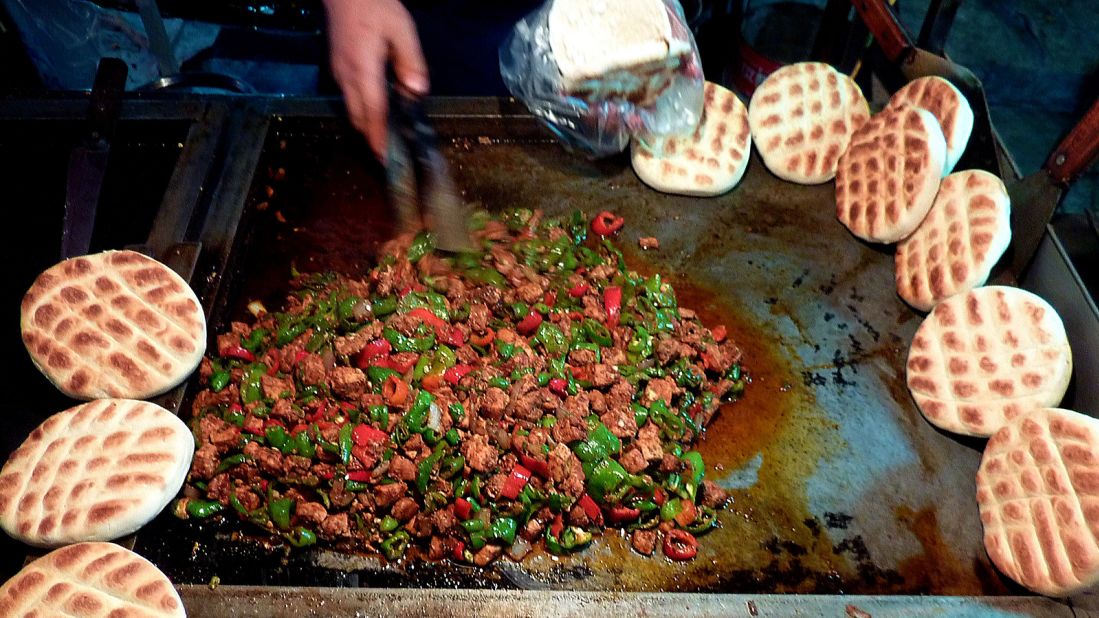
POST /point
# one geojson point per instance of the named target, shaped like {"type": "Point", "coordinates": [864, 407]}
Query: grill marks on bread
{"type": "Point", "coordinates": [113, 324]}
{"type": "Point", "coordinates": [959, 241]}
{"type": "Point", "coordinates": [91, 579]}
{"type": "Point", "coordinates": [802, 118]}
{"type": "Point", "coordinates": [1038, 494]}
{"type": "Point", "coordinates": [982, 358]}
{"type": "Point", "coordinates": [949, 107]}
{"type": "Point", "coordinates": [889, 174]}
{"type": "Point", "coordinates": [96, 471]}
{"type": "Point", "coordinates": [710, 161]}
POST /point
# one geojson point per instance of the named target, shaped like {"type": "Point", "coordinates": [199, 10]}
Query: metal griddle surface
{"type": "Point", "coordinates": [839, 484]}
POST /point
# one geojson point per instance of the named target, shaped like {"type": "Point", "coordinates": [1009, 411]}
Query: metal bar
{"type": "Point", "coordinates": [158, 36]}
{"type": "Point", "coordinates": [166, 108]}
{"type": "Point", "coordinates": [277, 602]}
{"type": "Point", "coordinates": [936, 25]}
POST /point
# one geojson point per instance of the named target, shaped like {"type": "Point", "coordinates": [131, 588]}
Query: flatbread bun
{"type": "Point", "coordinates": [802, 118]}
{"type": "Point", "coordinates": [94, 472]}
{"type": "Point", "coordinates": [983, 358]}
{"type": "Point", "coordinates": [1038, 493]}
{"type": "Point", "coordinates": [590, 40]}
{"type": "Point", "coordinates": [948, 105]}
{"type": "Point", "coordinates": [889, 174]}
{"type": "Point", "coordinates": [89, 580]}
{"type": "Point", "coordinates": [955, 247]}
{"type": "Point", "coordinates": [113, 324]}
{"type": "Point", "coordinates": [711, 161]}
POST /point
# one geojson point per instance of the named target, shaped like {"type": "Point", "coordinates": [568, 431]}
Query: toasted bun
{"type": "Point", "coordinates": [113, 324]}
{"type": "Point", "coordinates": [95, 472]}
{"type": "Point", "coordinates": [802, 117]}
{"type": "Point", "coordinates": [709, 162]}
{"type": "Point", "coordinates": [955, 247]}
{"type": "Point", "coordinates": [888, 177]}
{"type": "Point", "coordinates": [1038, 493]}
{"type": "Point", "coordinates": [982, 358]}
{"type": "Point", "coordinates": [948, 105]}
{"type": "Point", "coordinates": [89, 580]}
{"type": "Point", "coordinates": [589, 40]}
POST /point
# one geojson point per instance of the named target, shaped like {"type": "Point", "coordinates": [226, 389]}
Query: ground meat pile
{"type": "Point", "coordinates": [535, 392]}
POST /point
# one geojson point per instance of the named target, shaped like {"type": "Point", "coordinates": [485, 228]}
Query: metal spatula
{"type": "Point", "coordinates": [420, 186]}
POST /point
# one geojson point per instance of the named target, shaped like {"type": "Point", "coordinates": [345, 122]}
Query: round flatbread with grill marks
{"type": "Point", "coordinates": [802, 118]}
{"type": "Point", "coordinates": [94, 472]}
{"type": "Point", "coordinates": [889, 174]}
{"type": "Point", "coordinates": [1038, 493]}
{"type": "Point", "coordinates": [89, 580]}
{"type": "Point", "coordinates": [711, 161]}
{"type": "Point", "coordinates": [948, 105]}
{"type": "Point", "coordinates": [983, 358]}
{"type": "Point", "coordinates": [113, 324]}
{"type": "Point", "coordinates": [955, 247]}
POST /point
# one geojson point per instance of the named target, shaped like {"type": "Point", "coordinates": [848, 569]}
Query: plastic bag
{"type": "Point", "coordinates": [600, 118]}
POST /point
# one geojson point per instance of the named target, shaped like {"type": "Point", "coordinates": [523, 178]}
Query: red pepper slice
{"type": "Point", "coordinates": [372, 351]}
{"type": "Point", "coordinates": [483, 340]}
{"type": "Point", "coordinates": [529, 323]}
{"type": "Point", "coordinates": [687, 513]}
{"type": "Point", "coordinates": [579, 290]}
{"type": "Point", "coordinates": [559, 386]}
{"type": "Point", "coordinates": [273, 370]}
{"type": "Point", "coordinates": [319, 413]}
{"type": "Point", "coordinates": [719, 333]}
{"type": "Point", "coordinates": [394, 391]}
{"type": "Point", "coordinates": [237, 352]}
{"type": "Point", "coordinates": [594, 513]}
{"type": "Point", "coordinates": [459, 551]}
{"type": "Point", "coordinates": [463, 508]}
{"type": "Point", "coordinates": [431, 382]}
{"type": "Point", "coordinates": [557, 526]}
{"type": "Point", "coordinates": [680, 544]}
{"type": "Point", "coordinates": [427, 316]}
{"type": "Point", "coordinates": [607, 223]}
{"type": "Point", "coordinates": [365, 457]}
{"type": "Point", "coordinates": [364, 435]}
{"type": "Point", "coordinates": [537, 466]}
{"type": "Point", "coordinates": [454, 337]}
{"type": "Point", "coordinates": [455, 374]}
{"type": "Point", "coordinates": [550, 298]}
{"type": "Point", "coordinates": [299, 356]}
{"type": "Point", "coordinates": [402, 362]}
{"type": "Point", "coordinates": [300, 427]}
{"type": "Point", "coordinates": [516, 482]}
{"type": "Point", "coordinates": [659, 497]}
{"type": "Point", "coordinates": [326, 475]}
{"type": "Point", "coordinates": [359, 476]}
{"type": "Point", "coordinates": [623, 514]}
{"type": "Point", "coordinates": [612, 301]}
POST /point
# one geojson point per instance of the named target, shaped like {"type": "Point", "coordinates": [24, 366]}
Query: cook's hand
{"type": "Point", "coordinates": [363, 35]}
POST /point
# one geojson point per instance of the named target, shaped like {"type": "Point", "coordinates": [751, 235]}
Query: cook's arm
{"type": "Point", "coordinates": [363, 36]}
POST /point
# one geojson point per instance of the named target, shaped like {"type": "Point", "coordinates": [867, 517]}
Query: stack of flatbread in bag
{"type": "Point", "coordinates": [95, 472]}
{"type": "Point", "coordinates": [1038, 494]}
{"type": "Point", "coordinates": [802, 118]}
{"type": "Point", "coordinates": [710, 161]}
{"type": "Point", "coordinates": [113, 324]}
{"type": "Point", "coordinates": [90, 580]}
{"type": "Point", "coordinates": [959, 241]}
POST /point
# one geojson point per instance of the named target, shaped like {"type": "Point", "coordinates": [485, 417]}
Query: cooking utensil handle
{"type": "Point", "coordinates": [887, 30]}
{"type": "Point", "coordinates": [1078, 150]}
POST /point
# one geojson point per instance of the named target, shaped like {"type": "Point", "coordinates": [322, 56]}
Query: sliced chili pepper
{"type": "Point", "coordinates": [607, 223]}
{"type": "Point", "coordinates": [623, 514]}
{"type": "Point", "coordinates": [612, 302]}
{"type": "Point", "coordinates": [365, 435]}
{"type": "Point", "coordinates": [504, 529]}
{"type": "Point", "coordinates": [402, 361]}
{"type": "Point", "coordinates": [201, 509]}
{"type": "Point", "coordinates": [558, 386]}
{"type": "Point", "coordinates": [364, 455]}
{"type": "Point", "coordinates": [301, 537]}
{"type": "Point", "coordinates": [431, 382]}
{"type": "Point", "coordinates": [529, 324]}
{"type": "Point", "coordinates": [280, 511]}
{"type": "Point", "coordinates": [517, 480]}
{"type": "Point", "coordinates": [537, 466]}
{"type": "Point", "coordinates": [219, 380]}
{"type": "Point", "coordinates": [455, 374]}
{"type": "Point", "coordinates": [359, 476]}
{"type": "Point", "coordinates": [232, 462]}
{"type": "Point", "coordinates": [557, 526]}
{"type": "Point", "coordinates": [719, 333]}
{"type": "Point", "coordinates": [579, 290]}
{"type": "Point", "coordinates": [680, 545]}
{"type": "Point", "coordinates": [458, 553]}
{"type": "Point", "coordinates": [483, 340]}
{"type": "Point", "coordinates": [453, 336]}
{"type": "Point", "coordinates": [463, 508]}
{"type": "Point", "coordinates": [394, 391]}
{"type": "Point", "coordinates": [687, 513]}
{"type": "Point", "coordinates": [237, 352]}
{"type": "Point", "coordinates": [659, 497]}
{"type": "Point", "coordinates": [591, 509]}
{"type": "Point", "coordinates": [427, 316]}
{"type": "Point", "coordinates": [550, 298]}
{"type": "Point", "coordinates": [374, 350]}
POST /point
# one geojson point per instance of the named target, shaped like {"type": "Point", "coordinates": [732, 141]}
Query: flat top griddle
{"type": "Point", "coordinates": [839, 484]}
